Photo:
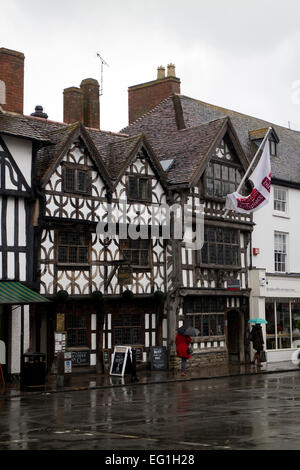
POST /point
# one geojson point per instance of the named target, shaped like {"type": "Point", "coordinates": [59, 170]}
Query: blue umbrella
{"type": "Point", "coordinates": [257, 320]}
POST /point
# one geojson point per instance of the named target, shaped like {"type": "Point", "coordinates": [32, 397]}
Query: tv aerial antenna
{"type": "Point", "coordinates": [102, 63]}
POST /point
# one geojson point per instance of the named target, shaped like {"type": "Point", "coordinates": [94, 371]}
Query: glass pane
{"type": "Point", "coordinates": [133, 188]}
{"type": "Point", "coordinates": [270, 327]}
{"type": "Point", "coordinates": [232, 188]}
{"type": "Point", "coordinates": [220, 254]}
{"type": "Point", "coordinates": [213, 325]}
{"type": "Point", "coordinates": [82, 178]}
{"type": "Point", "coordinates": [143, 188]}
{"type": "Point", "coordinates": [283, 325]}
{"type": "Point", "coordinates": [69, 179]}
{"type": "Point", "coordinates": [63, 238]}
{"type": "Point", "coordinates": [83, 258]}
{"type": "Point", "coordinates": [144, 257]}
{"type": "Point", "coordinates": [135, 257]}
{"type": "Point", "coordinates": [225, 189]}
{"type": "Point", "coordinates": [220, 330]}
{"type": "Point", "coordinates": [212, 254]}
{"type": "Point", "coordinates": [238, 176]}
{"type": "Point", "coordinates": [205, 325]}
{"type": "Point", "coordinates": [295, 306]}
{"type": "Point", "coordinates": [211, 234]}
{"type": "Point", "coordinates": [232, 175]}
{"type": "Point", "coordinates": [218, 188]}
{"type": "Point", "coordinates": [209, 187]}
{"type": "Point", "coordinates": [62, 254]}
{"type": "Point", "coordinates": [72, 254]}
{"type": "Point", "coordinates": [209, 172]}
{"type": "Point", "coordinates": [204, 254]}
{"type": "Point", "coordinates": [73, 238]}
{"type": "Point", "coordinates": [225, 173]}
{"type": "Point", "coordinates": [217, 169]}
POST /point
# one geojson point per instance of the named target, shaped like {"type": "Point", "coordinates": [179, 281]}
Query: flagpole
{"type": "Point", "coordinates": [250, 166]}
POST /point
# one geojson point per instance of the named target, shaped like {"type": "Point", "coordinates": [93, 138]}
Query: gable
{"type": "Point", "coordinates": [141, 166]}
{"type": "Point", "coordinates": [64, 139]}
{"type": "Point", "coordinates": [77, 174]}
{"type": "Point", "coordinates": [15, 177]}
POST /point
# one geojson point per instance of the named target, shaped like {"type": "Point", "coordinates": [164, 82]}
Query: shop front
{"type": "Point", "coordinates": [136, 322]}
{"type": "Point", "coordinates": [220, 319]}
{"type": "Point", "coordinates": [276, 298]}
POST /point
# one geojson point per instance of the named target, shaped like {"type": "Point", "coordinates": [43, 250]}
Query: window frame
{"type": "Point", "coordinates": [138, 196]}
{"type": "Point", "coordinates": [276, 263]}
{"type": "Point", "coordinates": [217, 243]}
{"type": "Point", "coordinates": [130, 327]}
{"type": "Point", "coordinates": [76, 168]}
{"type": "Point", "coordinates": [136, 267]}
{"type": "Point", "coordinates": [86, 328]}
{"type": "Point", "coordinates": [282, 213]}
{"type": "Point", "coordinates": [68, 264]}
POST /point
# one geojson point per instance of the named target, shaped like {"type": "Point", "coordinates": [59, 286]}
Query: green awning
{"type": "Point", "coordinates": [16, 293]}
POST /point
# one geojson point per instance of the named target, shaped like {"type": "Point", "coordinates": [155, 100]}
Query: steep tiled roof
{"type": "Point", "coordinates": [17, 125]}
{"type": "Point", "coordinates": [285, 166]}
{"type": "Point", "coordinates": [159, 125]}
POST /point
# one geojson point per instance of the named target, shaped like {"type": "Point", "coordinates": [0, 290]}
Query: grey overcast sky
{"type": "Point", "coordinates": [239, 54]}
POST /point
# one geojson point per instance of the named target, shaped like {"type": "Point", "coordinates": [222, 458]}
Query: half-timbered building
{"type": "Point", "coordinates": [105, 290]}
{"type": "Point", "coordinates": [210, 285]}
{"type": "Point", "coordinates": [18, 286]}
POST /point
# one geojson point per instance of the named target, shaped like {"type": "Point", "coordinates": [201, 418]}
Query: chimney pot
{"type": "Point", "coordinates": [160, 72]}
{"type": "Point", "coordinates": [171, 70]}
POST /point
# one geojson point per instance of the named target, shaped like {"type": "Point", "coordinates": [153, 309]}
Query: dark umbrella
{"type": "Point", "coordinates": [191, 331]}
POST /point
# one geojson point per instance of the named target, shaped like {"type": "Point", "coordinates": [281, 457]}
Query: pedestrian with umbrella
{"type": "Point", "coordinates": [256, 337]}
{"type": "Point", "coordinates": [183, 341]}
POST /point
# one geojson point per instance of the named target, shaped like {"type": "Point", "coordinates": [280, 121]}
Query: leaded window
{"type": "Point", "coordinates": [223, 174]}
{"type": "Point", "coordinates": [136, 252]}
{"type": "Point", "coordinates": [221, 247]}
{"type": "Point", "coordinates": [77, 330]}
{"type": "Point", "coordinates": [139, 188]}
{"type": "Point", "coordinates": [206, 314]}
{"type": "Point", "coordinates": [73, 248]}
{"type": "Point", "coordinates": [128, 329]}
{"type": "Point", "coordinates": [75, 180]}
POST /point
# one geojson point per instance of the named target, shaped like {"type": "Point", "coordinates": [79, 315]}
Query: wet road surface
{"type": "Point", "coordinates": [239, 413]}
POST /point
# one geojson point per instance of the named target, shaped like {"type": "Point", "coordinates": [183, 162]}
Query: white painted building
{"type": "Point", "coordinates": [275, 279]}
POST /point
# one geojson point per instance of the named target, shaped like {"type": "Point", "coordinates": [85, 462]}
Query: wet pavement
{"type": "Point", "coordinates": [85, 381]}
{"type": "Point", "coordinates": [223, 408]}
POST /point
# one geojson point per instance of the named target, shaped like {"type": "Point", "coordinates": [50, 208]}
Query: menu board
{"type": "Point", "coordinates": [159, 358]}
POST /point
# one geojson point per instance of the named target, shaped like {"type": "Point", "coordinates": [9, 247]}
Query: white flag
{"type": "Point", "coordinates": [260, 195]}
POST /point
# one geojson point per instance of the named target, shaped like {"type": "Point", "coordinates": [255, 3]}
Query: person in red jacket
{"type": "Point", "coordinates": [182, 345]}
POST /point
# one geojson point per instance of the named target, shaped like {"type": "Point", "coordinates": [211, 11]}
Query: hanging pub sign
{"type": "Point", "coordinates": [234, 284]}
{"type": "Point", "coordinates": [125, 275]}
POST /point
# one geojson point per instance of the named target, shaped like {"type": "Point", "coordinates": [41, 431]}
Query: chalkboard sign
{"type": "Point", "coordinates": [138, 353]}
{"type": "Point", "coordinates": [119, 360]}
{"type": "Point", "coordinates": [106, 359]}
{"type": "Point", "coordinates": [159, 358]}
{"type": "Point", "coordinates": [80, 358]}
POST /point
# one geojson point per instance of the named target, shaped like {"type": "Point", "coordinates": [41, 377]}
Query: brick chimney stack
{"type": "Point", "coordinates": [73, 105]}
{"type": "Point", "coordinates": [11, 80]}
{"type": "Point", "coordinates": [83, 104]}
{"type": "Point", "coordinates": [144, 97]}
{"type": "Point", "coordinates": [91, 103]}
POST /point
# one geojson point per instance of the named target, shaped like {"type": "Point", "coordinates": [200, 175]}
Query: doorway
{"type": "Point", "coordinates": [233, 335]}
